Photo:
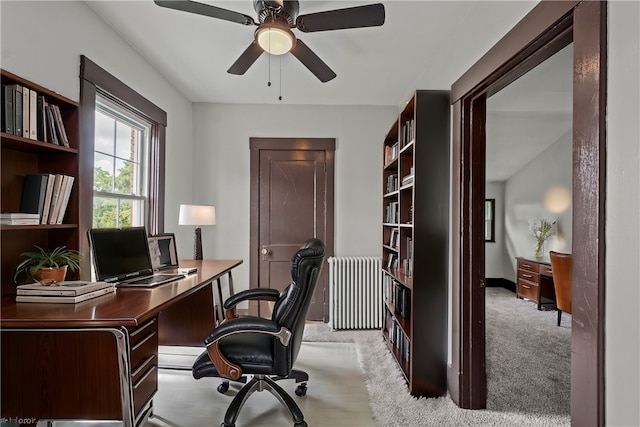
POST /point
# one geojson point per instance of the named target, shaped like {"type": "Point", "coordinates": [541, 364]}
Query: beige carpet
{"type": "Point", "coordinates": [520, 340]}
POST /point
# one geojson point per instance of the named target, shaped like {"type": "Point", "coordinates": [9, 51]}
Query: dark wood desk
{"type": "Point", "coordinates": [535, 281]}
{"type": "Point", "coordinates": [99, 359]}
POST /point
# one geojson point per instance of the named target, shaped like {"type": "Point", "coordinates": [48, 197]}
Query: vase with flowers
{"type": "Point", "coordinates": [541, 230]}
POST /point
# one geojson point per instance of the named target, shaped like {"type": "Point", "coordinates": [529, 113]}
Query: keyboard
{"type": "Point", "coordinates": [154, 280]}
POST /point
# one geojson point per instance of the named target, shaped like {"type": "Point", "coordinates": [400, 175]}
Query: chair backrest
{"type": "Point", "coordinates": [562, 267]}
{"type": "Point", "coordinates": [291, 308]}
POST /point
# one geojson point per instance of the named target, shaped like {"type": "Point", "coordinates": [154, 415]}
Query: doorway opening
{"type": "Point", "coordinates": [549, 27]}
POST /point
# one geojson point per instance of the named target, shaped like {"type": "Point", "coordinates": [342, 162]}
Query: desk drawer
{"type": "Point", "coordinates": [145, 384]}
{"type": "Point", "coordinates": [144, 345]}
{"type": "Point", "coordinates": [144, 363]}
{"type": "Point", "coordinates": [528, 290]}
{"type": "Point", "coordinates": [546, 270]}
{"type": "Point", "coordinates": [529, 276]}
{"type": "Point", "coordinates": [526, 265]}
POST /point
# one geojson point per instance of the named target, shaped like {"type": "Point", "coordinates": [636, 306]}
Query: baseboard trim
{"type": "Point", "coordinates": [492, 282]}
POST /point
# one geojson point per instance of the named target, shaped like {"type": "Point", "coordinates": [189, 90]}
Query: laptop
{"type": "Point", "coordinates": [162, 248]}
{"type": "Point", "coordinates": [121, 256]}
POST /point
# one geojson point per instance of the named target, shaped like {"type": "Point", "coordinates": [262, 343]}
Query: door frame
{"type": "Point", "coordinates": [540, 34]}
{"type": "Point", "coordinates": [328, 145]}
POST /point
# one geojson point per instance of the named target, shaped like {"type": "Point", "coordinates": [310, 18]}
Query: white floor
{"type": "Point", "coordinates": [336, 395]}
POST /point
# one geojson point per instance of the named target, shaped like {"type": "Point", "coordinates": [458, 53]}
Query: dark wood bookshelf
{"type": "Point", "coordinates": [421, 139]}
{"type": "Point", "coordinates": [22, 156]}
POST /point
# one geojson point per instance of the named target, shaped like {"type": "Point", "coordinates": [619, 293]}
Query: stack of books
{"type": "Point", "coordinates": [19, 218]}
{"type": "Point", "coordinates": [70, 292]}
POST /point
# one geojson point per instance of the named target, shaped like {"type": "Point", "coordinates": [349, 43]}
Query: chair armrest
{"type": "Point", "coordinates": [268, 294]}
{"type": "Point", "coordinates": [264, 294]}
{"type": "Point", "coordinates": [239, 326]}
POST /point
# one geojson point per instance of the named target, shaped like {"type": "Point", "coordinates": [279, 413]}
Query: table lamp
{"type": "Point", "coordinates": [197, 215]}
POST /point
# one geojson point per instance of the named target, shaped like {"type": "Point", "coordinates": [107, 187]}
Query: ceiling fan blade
{"type": "Point", "coordinates": [312, 62]}
{"type": "Point", "coordinates": [206, 10]}
{"type": "Point", "coordinates": [353, 17]}
{"type": "Point", "coordinates": [246, 60]}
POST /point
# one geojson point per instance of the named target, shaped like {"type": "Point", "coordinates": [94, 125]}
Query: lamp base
{"type": "Point", "coordinates": [197, 244]}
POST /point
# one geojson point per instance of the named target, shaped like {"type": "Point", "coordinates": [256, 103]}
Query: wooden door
{"type": "Point", "coordinates": [292, 201]}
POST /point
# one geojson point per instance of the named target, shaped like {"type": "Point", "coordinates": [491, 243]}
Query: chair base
{"type": "Point", "coordinates": [295, 374]}
{"type": "Point", "coordinates": [261, 383]}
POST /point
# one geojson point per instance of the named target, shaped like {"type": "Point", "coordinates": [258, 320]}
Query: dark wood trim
{"type": "Point", "coordinates": [85, 173]}
{"type": "Point", "coordinates": [530, 29]}
{"type": "Point", "coordinates": [589, 173]}
{"type": "Point", "coordinates": [257, 144]}
{"type": "Point", "coordinates": [101, 78]}
{"type": "Point", "coordinates": [546, 29]}
{"type": "Point", "coordinates": [94, 80]}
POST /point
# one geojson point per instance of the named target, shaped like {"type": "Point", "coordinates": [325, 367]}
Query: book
{"type": "Point", "coordinates": [33, 115]}
{"type": "Point", "coordinates": [68, 184]}
{"type": "Point", "coordinates": [8, 115]}
{"type": "Point", "coordinates": [44, 219]}
{"type": "Point", "coordinates": [17, 109]}
{"type": "Point", "coordinates": [62, 133]}
{"type": "Point", "coordinates": [57, 206]}
{"type": "Point", "coordinates": [55, 193]}
{"type": "Point", "coordinates": [67, 287]}
{"type": "Point", "coordinates": [65, 299]}
{"type": "Point", "coordinates": [51, 130]}
{"type": "Point", "coordinates": [26, 99]}
{"type": "Point", "coordinates": [41, 119]}
{"type": "Point", "coordinates": [34, 190]}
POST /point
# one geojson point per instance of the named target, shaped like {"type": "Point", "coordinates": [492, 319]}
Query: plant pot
{"type": "Point", "coordinates": [51, 275]}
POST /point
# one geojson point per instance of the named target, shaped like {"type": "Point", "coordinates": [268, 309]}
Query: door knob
{"type": "Point", "coordinates": [264, 251]}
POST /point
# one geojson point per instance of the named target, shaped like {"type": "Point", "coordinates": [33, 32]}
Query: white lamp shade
{"type": "Point", "coordinates": [197, 215]}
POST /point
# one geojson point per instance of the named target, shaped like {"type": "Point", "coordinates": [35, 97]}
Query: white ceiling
{"type": "Point", "coordinates": [529, 115]}
{"type": "Point", "coordinates": [420, 46]}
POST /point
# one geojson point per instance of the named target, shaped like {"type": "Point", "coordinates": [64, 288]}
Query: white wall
{"type": "Point", "coordinates": [622, 272]}
{"type": "Point", "coordinates": [495, 252]}
{"type": "Point", "coordinates": [527, 198]}
{"type": "Point", "coordinates": [221, 168]}
{"type": "Point", "coordinates": [48, 53]}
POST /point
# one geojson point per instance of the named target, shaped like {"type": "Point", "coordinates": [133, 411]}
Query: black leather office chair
{"type": "Point", "coordinates": [264, 348]}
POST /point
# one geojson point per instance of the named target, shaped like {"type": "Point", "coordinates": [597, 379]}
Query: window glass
{"type": "Point", "coordinates": [120, 189]}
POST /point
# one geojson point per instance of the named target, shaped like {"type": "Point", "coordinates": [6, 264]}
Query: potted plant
{"type": "Point", "coordinates": [48, 266]}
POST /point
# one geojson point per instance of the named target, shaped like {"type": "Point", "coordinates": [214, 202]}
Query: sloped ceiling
{"type": "Point", "coordinates": [422, 45]}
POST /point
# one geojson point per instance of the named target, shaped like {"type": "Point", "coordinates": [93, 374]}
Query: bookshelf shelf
{"type": "Point", "coordinates": [19, 143]}
{"type": "Point", "coordinates": [22, 156]}
{"type": "Point", "coordinates": [415, 271]}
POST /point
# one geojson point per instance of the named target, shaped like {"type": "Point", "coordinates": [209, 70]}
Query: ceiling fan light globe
{"type": "Point", "coordinates": [275, 40]}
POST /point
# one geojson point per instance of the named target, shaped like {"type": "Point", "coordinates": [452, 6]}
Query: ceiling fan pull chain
{"type": "Point", "coordinates": [280, 96]}
{"type": "Point", "coordinates": [269, 72]}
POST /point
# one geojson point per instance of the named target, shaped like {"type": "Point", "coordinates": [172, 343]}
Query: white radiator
{"type": "Point", "coordinates": [355, 292]}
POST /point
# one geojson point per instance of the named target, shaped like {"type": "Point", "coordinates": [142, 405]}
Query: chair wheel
{"type": "Point", "coordinates": [223, 388]}
{"type": "Point", "coordinates": [300, 424]}
{"type": "Point", "coordinates": [301, 390]}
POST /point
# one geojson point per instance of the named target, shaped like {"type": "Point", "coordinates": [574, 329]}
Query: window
{"type": "Point", "coordinates": [123, 138]}
{"type": "Point", "coordinates": [489, 220]}
{"type": "Point", "coordinates": [120, 190]}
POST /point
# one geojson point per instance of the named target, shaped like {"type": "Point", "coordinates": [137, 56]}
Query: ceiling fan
{"type": "Point", "coordinates": [276, 18]}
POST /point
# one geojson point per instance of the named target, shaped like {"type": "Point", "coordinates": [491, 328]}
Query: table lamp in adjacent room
{"type": "Point", "coordinates": [197, 215]}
